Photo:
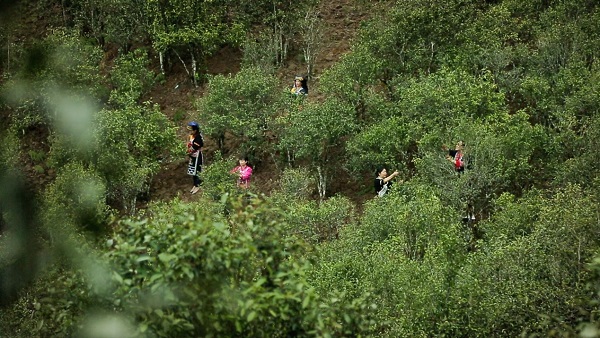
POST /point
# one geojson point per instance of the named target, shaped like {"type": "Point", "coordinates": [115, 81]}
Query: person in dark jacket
{"type": "Point", "coordinates": [300, 86]}
{"type": "Point", "coordinates": [194, 152]}
{"type": "Point", "coordinates": [382, 181]}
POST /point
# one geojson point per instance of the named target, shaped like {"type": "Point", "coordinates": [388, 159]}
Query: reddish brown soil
{"type": "Point", "coordinates": [341, 18]}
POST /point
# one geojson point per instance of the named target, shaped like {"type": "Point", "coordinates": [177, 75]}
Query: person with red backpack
{"type": "Point", "coordinates": [456, 156]}
{"type": "Point", "coordinates": [194, 152]}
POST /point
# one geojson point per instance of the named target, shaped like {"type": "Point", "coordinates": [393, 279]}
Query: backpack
{"type": "Point", "coordinates": [458, 161]}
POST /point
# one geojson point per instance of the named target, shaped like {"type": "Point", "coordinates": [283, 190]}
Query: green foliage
{"type": "Point", "coordinates": [317, 222]}
{"type": "Point", "coordinates": [113, 21]}
{"type": "Point", "coordinates": [260, 52]}
{"type": "Point", "coordinates": [414, 36]}
{"type": "Point", "coordinates": [488, 41]}
{"type": "Point", "coordinates": [589, 326]}
{"type": "Point", "coordinates": [383, 143]}
{"type": "Point", "coordinates": [177, 24]}
{"type": "Point", "coordinates": [130, 78]}
{"type": "Point", "coordinates": [442, 100]}
{"type": "Point", "coordinates": [37, 156]}
{"type": "Point", "coordinates": [581, 89]}
{"type": "Point", "coordinates": [76, 197]}
{"type": "Point", "coordinates": [50, 308]}
{"type": "Point", "coordinates": [516, 80]}
{"type": "Point", "coordinates": [278, 21]}
{"type": "Point", "coordinates": [414, 214]}
{"type": "Point", "coordinates": [242, 105]}
{"type": "Point", "coordinates": [504, 287]}
{"type": "Point", "coordinates": [296, 184]}
{"type": "Point", "coordinates": [159, 266]}
{"type": "Point", "coordinates": [136, 137]}
{"type": "Point", "coordinates": [62, 65]}
{"type": "Point", "coordinates": [9, 150]}
{"type": "Point", "coordinates": [217, 180]}
{"type": "Point", "coordinates": [90, 16]}
{"type": "Point", "coordinates": [350, 78]}
{"type": "Point", "coordinates": [71, 62]}
{"type": "Point", "coordinates": [183, 272]}
{"type": "Point", "coordinates": [405, 251]}
{"type": "Point", "coordinates": [179, 116]}
{"type": "Point", "coordinates": [582, 164]}
{"type": "Point", "coordinates": [498, 290]}
{"type": "Point", "coordinates": [313, 131]}
{"type": "Point", "coordinates": [561, 44]}
{"type": "Point", "coordinates": [576, 126]}
{"type": "Point", "coordinates": [513, 220]}
{"type": "Point", "coordinates": [500, 155]}
{"type": "Point", "coordinates": [197, 28]}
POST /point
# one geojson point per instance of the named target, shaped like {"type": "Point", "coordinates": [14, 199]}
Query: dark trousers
{"type": "Point", "coordinates": [196, 178]}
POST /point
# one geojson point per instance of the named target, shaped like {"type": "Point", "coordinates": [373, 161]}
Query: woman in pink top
{"type": "Point", "coordinates": [243, 171]}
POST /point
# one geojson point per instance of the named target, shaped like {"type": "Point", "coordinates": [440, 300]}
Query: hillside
{"type": "Point", "coordinates": [341, 20]}
{"type": "Point", "coordinates": [484, 116]}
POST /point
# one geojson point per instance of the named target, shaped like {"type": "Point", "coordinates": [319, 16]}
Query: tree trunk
{"type": "Point", "coordinates": [8, 56]}
{"type": "Point", "coordinates": [322, 184]}
{"type": "Point", "coordinates": [162, 65]}
{"type": "Point", "coordinates": [194, 69]}
{"type": "Point", "coordinates": [312, 33]}
{"type": "Point", "coordinates": [183, 63]}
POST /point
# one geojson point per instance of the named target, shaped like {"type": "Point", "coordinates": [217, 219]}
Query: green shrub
{"type": "Point", "coordinates": [318, 221]}
{"type": "Point", "coordinates": [131, 78]}
{"type": "Point", "coordinates": [243, 105]}
{"type": "Point", "coordinates": [51, 307]}
{"type": "Point", "coordinates": [181, 272]}
{"type": "Point", "coordinates": [137, 138]}
{"type": "Point", "coordinates": [294, 183]}
{"type": "Point", "coordinates": [217, 180]}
